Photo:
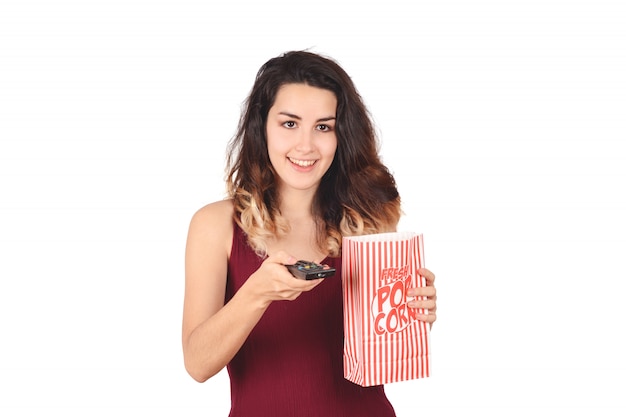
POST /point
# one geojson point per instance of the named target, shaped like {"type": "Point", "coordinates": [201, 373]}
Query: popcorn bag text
{"type": "Point", "coordinates": [389, 307]}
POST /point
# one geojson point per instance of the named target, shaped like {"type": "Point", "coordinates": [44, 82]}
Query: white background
{"type": "Point", "coordinates": [503, 121]}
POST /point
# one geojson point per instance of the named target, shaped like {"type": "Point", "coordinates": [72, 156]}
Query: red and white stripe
{"type": "Point", "coordinates": [370, 358]}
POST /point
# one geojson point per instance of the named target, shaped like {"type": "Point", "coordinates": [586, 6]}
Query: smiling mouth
{"type": "Point", "coordinates": [302, 163]}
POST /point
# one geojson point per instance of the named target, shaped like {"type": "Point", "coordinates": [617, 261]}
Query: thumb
{"type": "Point", "coordinates": [284, 258]}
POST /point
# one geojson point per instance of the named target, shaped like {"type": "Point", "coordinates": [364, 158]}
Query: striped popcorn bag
{"type": "Point", "coordinates": [383, 340]}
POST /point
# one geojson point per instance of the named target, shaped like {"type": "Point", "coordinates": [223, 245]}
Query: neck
{"type": "Point", "coordinates": [296, 204]}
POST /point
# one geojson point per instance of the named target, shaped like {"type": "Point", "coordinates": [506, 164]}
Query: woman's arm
{"type": "Point", "coordinates": [213, 331]}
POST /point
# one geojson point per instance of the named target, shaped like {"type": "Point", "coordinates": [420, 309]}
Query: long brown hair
{"type": "Point", "coordinates": [357, 195]}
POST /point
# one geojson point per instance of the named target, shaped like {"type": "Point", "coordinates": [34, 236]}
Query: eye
{"type": "Point", "coordinates": [324, 128]}
{"type": "Point", "coordinates": [290, 124]}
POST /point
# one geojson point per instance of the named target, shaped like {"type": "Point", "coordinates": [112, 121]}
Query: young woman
{"type": "Point", "coordinates": [303, 170]}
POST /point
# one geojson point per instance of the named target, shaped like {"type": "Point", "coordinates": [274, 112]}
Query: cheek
{"type": "Point", "coordinates": [275, 143]}
{"type": "Point", "coordinates": [330, 148]}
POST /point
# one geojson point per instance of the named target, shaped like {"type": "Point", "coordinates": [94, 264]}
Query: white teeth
{"type": "Point", "coordinates": [301, 162]}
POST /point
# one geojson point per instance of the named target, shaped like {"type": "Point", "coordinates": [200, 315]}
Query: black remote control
{"type": "Point", "coordinates": [310, 270]}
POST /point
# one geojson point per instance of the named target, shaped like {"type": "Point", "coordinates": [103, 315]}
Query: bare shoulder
{"type": "Point", "coordinates": [216, 209]}
{"type": "Point", "coordinates": [210, 237]}
{"type": "Point", "coordinates": [213, 222]}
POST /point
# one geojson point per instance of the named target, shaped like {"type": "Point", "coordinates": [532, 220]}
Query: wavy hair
{"type": "Point", "coordinates": [357, 195]}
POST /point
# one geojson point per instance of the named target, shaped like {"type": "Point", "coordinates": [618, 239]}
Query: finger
{"type": "Point", "coordinates": [297, 287]}
{"type": "Point", "coordinates": [300, 284]}
{"type": "Point", "coordinates": [430, 277]}
{"type": "Point", "coordinates": [282, 257]}
{"type": "Point", "coordinates": [307, 285]}
{"type": "Point", "coordinates": [431, 317]}
{"type": "Point", "coordinates": [426, 304]}
{"type": "Point", "coordinates": [430, 292]}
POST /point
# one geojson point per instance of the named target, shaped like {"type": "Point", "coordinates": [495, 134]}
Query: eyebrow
{"type": "Point", "coordinates": [294, 116]}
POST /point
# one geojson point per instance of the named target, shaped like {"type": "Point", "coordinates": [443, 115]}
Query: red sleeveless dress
{"type": "Point", "coordinates": [292, 362]}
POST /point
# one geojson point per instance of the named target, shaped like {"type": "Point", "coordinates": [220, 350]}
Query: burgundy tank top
{"type": "Point", "coordinates": [292, 362]}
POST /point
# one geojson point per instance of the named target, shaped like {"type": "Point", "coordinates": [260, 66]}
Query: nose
{"type": "Point", "coordinates": [305, 140]}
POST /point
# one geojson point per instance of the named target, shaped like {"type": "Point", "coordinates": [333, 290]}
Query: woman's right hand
{"type": "Point", "coordinates": [273, 281]}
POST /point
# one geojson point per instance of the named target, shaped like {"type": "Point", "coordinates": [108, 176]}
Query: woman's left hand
{"type": "Point", "coordinates": [426, 297]}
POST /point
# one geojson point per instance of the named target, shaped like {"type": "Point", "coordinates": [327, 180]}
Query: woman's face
{"type": "Point", "coordinates": [301, 138]}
